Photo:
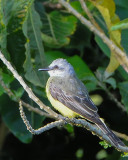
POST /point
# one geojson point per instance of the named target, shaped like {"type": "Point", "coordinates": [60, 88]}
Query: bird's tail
{"type": "Point", "coordinates": [114, 139]}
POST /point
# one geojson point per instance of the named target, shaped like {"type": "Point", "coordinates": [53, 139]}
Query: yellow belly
{"type": "Point", "coordinates": [65, 111]}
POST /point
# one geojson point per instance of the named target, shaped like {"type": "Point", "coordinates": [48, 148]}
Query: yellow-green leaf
{"type": "Point", "coordinates": [107, 10]}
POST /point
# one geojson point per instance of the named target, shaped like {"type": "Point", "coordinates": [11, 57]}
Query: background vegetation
{"type": "Point", "coordinates": [32, 35]}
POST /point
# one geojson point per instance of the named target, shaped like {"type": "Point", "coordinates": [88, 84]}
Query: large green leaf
{"type": "Point", "coordinates": [5, 15]}
{"type": "Point", "coordinates": [57, 27]}
{"type": "Point", "coordinates": [123, 87]}
{"type": "Point", "coordinates": [11, 116]}
{"type": "Point", "coordinates": [34, 49]}
{"type": "Point", "coordinates": [5, 9]}
{"type": "Point", "coordinates": [62, 27]}
{"type": "Point", "coordinates": [15, 38]}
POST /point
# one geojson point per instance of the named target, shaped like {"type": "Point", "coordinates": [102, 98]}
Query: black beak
{"type": "Point", "coordinates": [45, 69]}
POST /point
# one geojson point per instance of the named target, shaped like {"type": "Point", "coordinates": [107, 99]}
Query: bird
{"type": "Point", "coordinates": [69, 96]}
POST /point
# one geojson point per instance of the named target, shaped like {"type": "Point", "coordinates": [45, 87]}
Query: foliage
{"type": "Point", "coordinates": [33, 34]}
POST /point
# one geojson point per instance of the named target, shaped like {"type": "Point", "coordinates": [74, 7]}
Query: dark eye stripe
{"type": "Point", "coordinates": [56, 67]}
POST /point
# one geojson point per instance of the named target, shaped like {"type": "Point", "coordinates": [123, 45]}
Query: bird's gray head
{"type": "Point", "coordinates": [60, 67]}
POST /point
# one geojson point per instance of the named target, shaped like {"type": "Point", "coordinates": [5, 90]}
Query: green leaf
{"type": "Point", "coordinates": [103, 46]}
{"type": "Point", "coordinates": [5, 15]}
{"type": "Point", "coordinates": [57, 28]}
{"type": "Point", "coordinates": [10, 114]}
{"type": "Point", "coordinates": [101, 75]}
{"type": "Point", "coordinates": [15, 38]}
{"type": "Point", "coordinates": [35, 57]}
{"type": "Point", "coordinates": [69, 128]}
{"type": "Point", "coordinates": [104, 144]}
{"type": "Point", "coordinates": [19, 92]}
{"type": "Point", "coordinates": [120, 25]}
{"type": "Point", "coordinates": [5, 10]}
{"type": "Point", "coordinates": [123, 87]}
{"type": "Point", "coordinates": [111, 81]}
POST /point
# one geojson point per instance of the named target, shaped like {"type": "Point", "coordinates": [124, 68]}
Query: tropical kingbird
{"type": "Point", "coordinates": [70, 97]}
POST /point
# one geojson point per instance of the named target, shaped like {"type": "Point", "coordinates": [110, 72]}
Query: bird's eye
{"type": "Point", "coordinates": [56, 67]}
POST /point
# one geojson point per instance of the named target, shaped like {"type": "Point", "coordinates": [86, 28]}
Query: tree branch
{"type": "Point", "coordinates": [85, 8]}
{"type": "Point", "coordinates": [42, 129]}
{"type": "Point", "coordinates": [119, 54]}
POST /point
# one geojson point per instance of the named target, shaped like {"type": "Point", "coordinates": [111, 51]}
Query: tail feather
{"type": "Point", "coordinates": [115, 140]}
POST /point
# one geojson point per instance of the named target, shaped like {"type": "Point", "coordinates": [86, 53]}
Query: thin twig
{"type": "Point", "coordinates": [42, 129]}
{"type": "Point", "coordinates": [26, 88]}
{"type": "Point", "coordinates": [85, 8]}
{"type": "Point", "coordinates": [119, 54]}
{"type": "Point", "coordinates": [36, 110]}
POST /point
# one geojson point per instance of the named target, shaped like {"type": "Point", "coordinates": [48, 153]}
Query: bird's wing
{"type": "Point", "coordinates": [77, 103]}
